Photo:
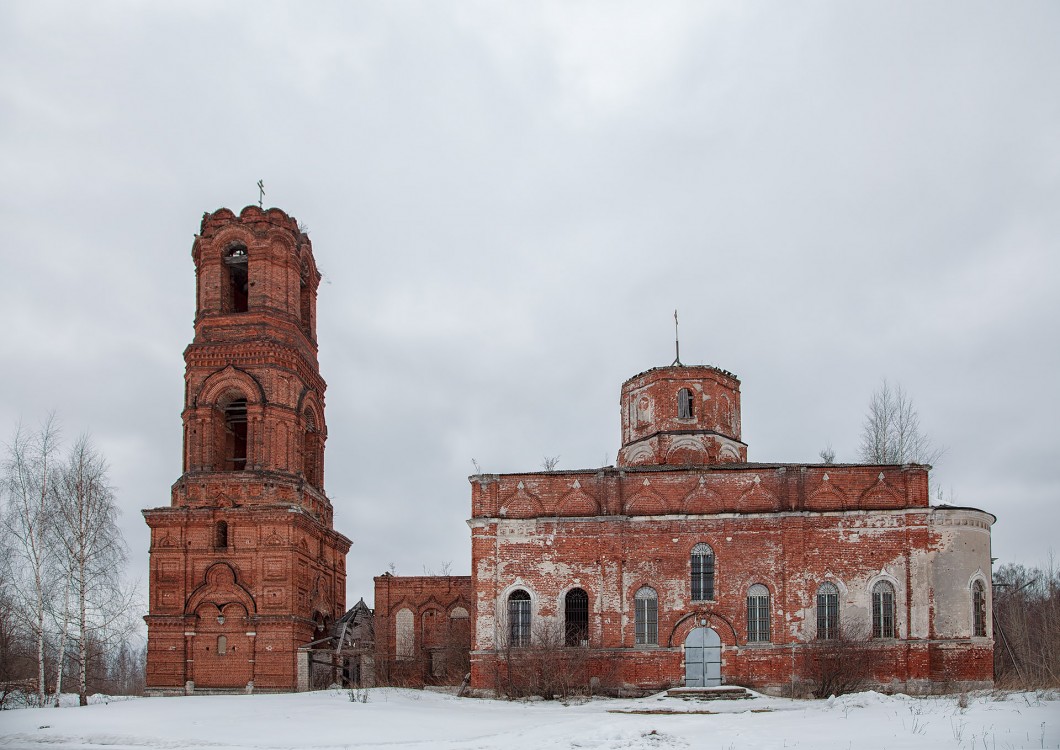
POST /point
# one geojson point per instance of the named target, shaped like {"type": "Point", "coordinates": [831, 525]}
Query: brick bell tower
{"type": "Point", "coordinates": [245, 566]}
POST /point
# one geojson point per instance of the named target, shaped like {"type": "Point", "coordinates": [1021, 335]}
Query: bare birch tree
{"type": "Point", "coordinates": [891, 432]}
{"type": "Point", "coordinates": [93, 555]}
{"type": "Point", "coordinates": [28, 473]}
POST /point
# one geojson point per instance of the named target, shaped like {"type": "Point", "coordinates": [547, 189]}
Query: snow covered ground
{"type": "Point", "coordinates": [397, 719]}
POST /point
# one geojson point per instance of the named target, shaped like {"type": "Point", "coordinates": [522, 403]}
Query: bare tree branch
{"type": "Point", "coordinates": [891, 432]}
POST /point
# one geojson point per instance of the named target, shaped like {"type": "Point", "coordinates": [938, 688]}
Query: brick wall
{"type": "Point", "coordinates": [422, 629]}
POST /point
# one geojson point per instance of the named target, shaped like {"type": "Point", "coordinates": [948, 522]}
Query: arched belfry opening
{"type": "Point", "coordinates": [305, 301]}
{"type": "Point", "coordinates": [235, 435]}
{"type": "Point", "coordinates": [312, 450]}
{"type": "Point", "coordinates": [237, 280]}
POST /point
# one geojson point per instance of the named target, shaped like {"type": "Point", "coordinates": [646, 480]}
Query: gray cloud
{"type": "Point", "coordinates": [508, 201]}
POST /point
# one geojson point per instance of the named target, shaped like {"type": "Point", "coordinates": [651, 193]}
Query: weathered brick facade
{"type": "Point", "coordinates": [909, 581]}
{"type": "Point", "coordinates": [422, 629]}
{"type": "Point", "coordinates": [245, 564]}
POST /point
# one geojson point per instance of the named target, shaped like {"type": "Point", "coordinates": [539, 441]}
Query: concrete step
{"type": "Point", "coordinates": [720, 693]}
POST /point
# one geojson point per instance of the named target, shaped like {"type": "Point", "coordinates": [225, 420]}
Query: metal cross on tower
{"type": "Point", "coordinates": [261, 193]}
{"type": "Point", "coordinates": [677, 344]}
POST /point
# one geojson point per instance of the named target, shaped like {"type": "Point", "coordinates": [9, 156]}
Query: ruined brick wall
{"type": "Point", "coordinates": [423, 629]}
{"type": "Point", "coordinates": [245, 565]}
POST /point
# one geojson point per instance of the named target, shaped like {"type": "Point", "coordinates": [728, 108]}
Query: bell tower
{"type": "Point", "coordinates": [245, 563]}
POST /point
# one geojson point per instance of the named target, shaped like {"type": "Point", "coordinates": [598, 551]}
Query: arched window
{"type": "Point", "coordinates": [311, 450]}
{"type": "Point", "coordinates": [646, 617]}
{"type": "Point", "coordinates": [405, 634]}
{"type": "Point", "coordinates": [235, 264]}
{"type": "Point", "coordinates": [702, 573]}
{"type": "Point", "coordinates": [222, 645]}
{"type": "Point", "coordinates": [519, 618]}
{"type": "Point", "coordinates": [978, 609]}
{"type": "Point", "coordinates": [827, 611]}
{"type": "Point", "coordinates": [220, 535]}
{"type": "Point", "coordinates": [305, 301]}
{"type": "Point", "coordinates": [576, 618]}
{"type": "Point", "coordinates": [883, 610]}
{"type": "Point", "coordinates": [758, 614]}
{"type": "Point", "coordinates": [685, 405]}
{"type": "Point", "coordinates": [235, 437]}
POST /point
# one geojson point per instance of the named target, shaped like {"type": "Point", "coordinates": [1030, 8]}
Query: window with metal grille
{"type": "Point", "coordinates": [827, 611]}
{"type": "Point", "coordinates": [883, 610]}
{"type": "Point", "coordinates": [978, 609]}
{"type": "Point", "coordinates": [702, 573]}
{"type": "Point", "coordinates": [576, 618]}
{"type": "Point", "coordinates": [758, 614]}
{"type": "Point", "coordinates": [685, 405]}
{"type": "Point", "coordinates": [646, 617]}
{"type": "Point", "coordinates": [519, 618]}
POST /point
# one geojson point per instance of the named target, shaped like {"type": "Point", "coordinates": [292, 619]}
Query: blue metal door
{"type": "Point", "coordinates": [702, 658]}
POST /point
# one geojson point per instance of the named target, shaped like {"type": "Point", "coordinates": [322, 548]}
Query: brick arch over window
{"type": "Point", "coordinates": [576, 618]}
{"type": "Point", "coordinates": [405, 633]}
{"type": "Point", "coordinates": [218, 428]}
{"type": "Point", "coordinates": [235, 277]}
{"type": "Point", "coordinates": [883, 610]}
{"type": "Point", "coordinates": [220, 587]}
{"type": "Point", "coordinates": [979, 608]}
{"type": "Point", "coordinates": [519, 620]}
{"type": "Point", "coordinates": [305, 299]}
{"type": "Point", "coordinates": [828, 611]}
{"type": "Point", "coordinates": [312, 449]}
{"type": "Point", "coordinates": [229, 379]}
{"type": "Point", "coordinates": [646, 617]}
{"type": "Point", "coordinates": [758, 614]}
{"type": "Point", "coordinates": [313, 434]}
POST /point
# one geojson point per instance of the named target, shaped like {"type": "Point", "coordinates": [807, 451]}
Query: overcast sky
{"type": "Point", "coordinates": [507, 202]}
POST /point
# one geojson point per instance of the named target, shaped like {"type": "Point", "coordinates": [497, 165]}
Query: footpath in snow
{"type": "Point", "coordinates": [396, 719]}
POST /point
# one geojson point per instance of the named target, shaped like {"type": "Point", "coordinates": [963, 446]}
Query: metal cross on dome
{"type": "Point", "coordinates": [677, 344]}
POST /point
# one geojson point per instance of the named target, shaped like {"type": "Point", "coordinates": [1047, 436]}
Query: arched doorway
{"type": "Point", "coordinates": [702, 658]}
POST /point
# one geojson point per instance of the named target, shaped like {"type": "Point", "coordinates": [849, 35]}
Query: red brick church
{"type": "Point", "coordinates": [683, 564]}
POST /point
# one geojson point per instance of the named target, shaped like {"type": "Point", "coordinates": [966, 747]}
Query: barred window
{"type": "Point", "coordinates": [576, 616]}
{"type": "Point", "coordinates": [978, 609]}
{"type": "Point", "coordinates": [519, 618]}
{"type": "Point", "coordinates": [685, 406]}
{"type": "Point", "coordinates": [702, 573]}
{"type": "Point", "coordinates": [827, 611]}
{"type": "Point", "coordinates": [758, 614]}
{"type": "Point", "coordinates": [646, 617]}
{"type": "Point", "coordinates": [883, 610]}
